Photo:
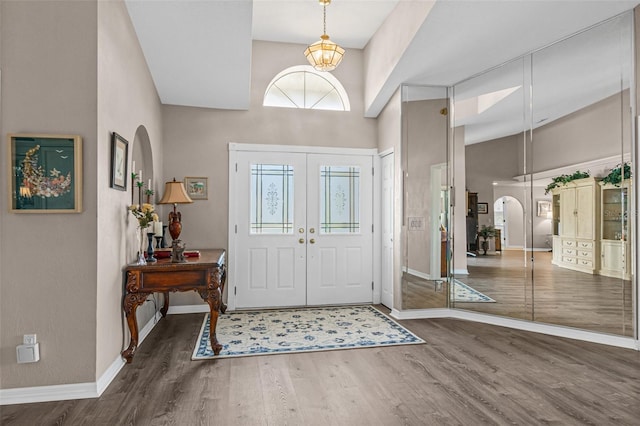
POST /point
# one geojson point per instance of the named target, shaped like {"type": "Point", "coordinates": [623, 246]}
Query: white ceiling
{"type": "Point", "coordinates": [199, 51]}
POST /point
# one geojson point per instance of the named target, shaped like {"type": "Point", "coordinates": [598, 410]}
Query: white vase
{"type": "Point", "coordinates": [141, 259]}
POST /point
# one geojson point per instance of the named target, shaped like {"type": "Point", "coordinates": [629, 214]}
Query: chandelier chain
{"type": "Point", "coordinates": [324, 19]}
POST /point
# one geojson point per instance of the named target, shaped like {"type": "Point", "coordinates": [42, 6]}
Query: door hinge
{"type": "Point", "coordinates": [372, 228]}
{"type": "Point", "coordinates": [236, 229]}
{"type": "Point", "coordinates": [373, 171]}
{"type": "Point", "coordinates": [371, 285]}
{"type": "Point", "coordinates": [236, 167]}
{"type": "Point", "coordinates": [235, 289]}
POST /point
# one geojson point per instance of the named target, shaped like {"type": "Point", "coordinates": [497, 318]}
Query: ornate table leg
{"type": "Point", "coordinates": [165, 306]}
{"type": "Point", "coordinates": [131, 301]}
{"type": "Point", "coordinates": [223, 280]}
{"type": "Point", "coordinates": [212, 296]}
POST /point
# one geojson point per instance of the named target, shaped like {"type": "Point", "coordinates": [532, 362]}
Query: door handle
{"type": "Point", "coordinates": [312, 241]}
{"type": "Point", "coordinates": [301, 240]}
{"type": "Point", "coordinates": [312, 230]}
{"type": "Point", "coordinates": [301, 230]}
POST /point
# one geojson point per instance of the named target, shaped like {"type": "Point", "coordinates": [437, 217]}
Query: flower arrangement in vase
{"type": "Point", "coordinates": [145, 214]}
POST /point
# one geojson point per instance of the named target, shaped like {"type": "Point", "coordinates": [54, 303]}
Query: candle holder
{"type": "Point", "coordinates": [158, 241]}
{"type": "Point", "coordinates": [163, 244]}
{"type": "Point", "coordinates": [150, 258]}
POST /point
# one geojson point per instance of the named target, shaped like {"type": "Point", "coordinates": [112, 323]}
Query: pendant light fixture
{"type": "Point", "coordinates": [324, 55]}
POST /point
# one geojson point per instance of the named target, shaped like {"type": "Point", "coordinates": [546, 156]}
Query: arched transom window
{"type": "Point", "coordinates": [303, 87]}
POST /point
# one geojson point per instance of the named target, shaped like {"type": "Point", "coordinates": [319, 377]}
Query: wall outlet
{"type": "Point", "coordinates": [29, 339]}
{"type": "Point", "coordinates": [28, 353]}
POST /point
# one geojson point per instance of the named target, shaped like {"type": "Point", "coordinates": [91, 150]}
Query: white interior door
{"type": "Point", "coordinates": [271, 212]}
{"type": "Point", "coordinates": [340, 221]}
{"type": "Point", "coordinates": [303, 229]}
{"type": "Point", "coordinates": [386, 166]}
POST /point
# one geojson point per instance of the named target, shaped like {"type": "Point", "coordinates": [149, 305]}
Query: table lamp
{"type": "Point", "coordinates": [175, 193]}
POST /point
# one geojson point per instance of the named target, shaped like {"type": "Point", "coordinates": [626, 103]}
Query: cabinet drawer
{"type": "Point", "coordinates": [585, 262]}
{"type": "Point", "coordinates": [569, 243]}
{"type": "Point", "coordinates": [571, 260]}
{"type": "Point", "coordinates": [585, 245]}
{"type": "Point", "coordinates": [587, 254]}
{"type": "Point", "coordinates": [569, 251]}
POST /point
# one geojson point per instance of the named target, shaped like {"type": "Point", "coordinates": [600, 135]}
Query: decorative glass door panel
{"type": "Point", "coordinates": [271, 199]}
{"type": "Point", "coordinates": [339, 199]}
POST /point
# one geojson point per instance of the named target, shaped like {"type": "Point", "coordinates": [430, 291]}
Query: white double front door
{"type": "Point", "coordinates": [303, 229]}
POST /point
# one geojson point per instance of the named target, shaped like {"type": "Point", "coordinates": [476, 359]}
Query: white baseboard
{"type": "Point", "coordinates": [75, 390]}
{"type": "Point", "coordinates": [552, 330]}
{"type": "Point", "coordinates": [188, 309]}
{"type": "Point", "coordinates": [460, 272]}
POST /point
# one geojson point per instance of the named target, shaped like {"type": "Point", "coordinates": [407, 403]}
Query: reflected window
{"type": "Point", "coordinates": [303, 87]}
{"type": "Point", "coordinates": [271, 199]}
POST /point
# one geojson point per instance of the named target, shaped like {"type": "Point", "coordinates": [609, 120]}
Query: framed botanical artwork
{"type": "Point", "coordinates": [483, 208]}
{"type": "Point", "coordinates": [197, 187]}
{"type": "Point", "coordinates": [45, 173]}
{"type": "Point", "coordinates": [544, 208]}
{"type": "Point", "coordinates": [119, 157]}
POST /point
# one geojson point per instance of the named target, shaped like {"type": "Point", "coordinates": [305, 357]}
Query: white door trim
{"type": "Point", "coordinates": [234, 148]}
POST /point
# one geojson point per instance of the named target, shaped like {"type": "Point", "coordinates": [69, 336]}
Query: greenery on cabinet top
{"type": "Point", "coordinates": [615, 177]}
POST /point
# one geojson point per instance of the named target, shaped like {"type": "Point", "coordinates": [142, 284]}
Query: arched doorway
{"type": "Point", "coordinates": [508, 214]}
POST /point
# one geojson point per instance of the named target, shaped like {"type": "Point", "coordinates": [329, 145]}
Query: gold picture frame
{"type": "Point", "coordinates": [45, 173]}
{"type": "Point", "coordinates": [197, 187]}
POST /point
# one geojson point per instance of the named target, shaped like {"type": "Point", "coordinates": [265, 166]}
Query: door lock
{"type": "Point", "coordinates": [301, 230]}
{"type": "Point", "coordinates": [312, 241]}
{"type": "Point", "coordinates": [301, 240]}
{"type": "Point", "coordinates": [312, 230]}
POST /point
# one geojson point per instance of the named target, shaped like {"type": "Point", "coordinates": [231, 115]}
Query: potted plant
{"type": "Point", "coordinates": [486, 232]}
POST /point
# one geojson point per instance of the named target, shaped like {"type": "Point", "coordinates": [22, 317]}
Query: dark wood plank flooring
{"type": "Point", "coordinates": [544, 293]}
{"type": "Point", "coordinates": [467, 374]}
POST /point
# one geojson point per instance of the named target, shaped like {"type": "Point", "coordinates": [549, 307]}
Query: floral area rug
{"type": "Point", "coordinates": [301, 330]}
{"type": "Point", "coordinates": [464, 293]}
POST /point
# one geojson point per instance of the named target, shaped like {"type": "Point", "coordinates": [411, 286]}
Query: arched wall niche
{"type": "Point", "coordinates": [142, 157]}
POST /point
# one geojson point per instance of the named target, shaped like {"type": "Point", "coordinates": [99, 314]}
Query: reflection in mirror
{"type": "Point", "coordinates": [489, 110]}
{"type": "Point", "coordinates": [425, 223]}
{"type": "Point", "coordinates": [562, 114]}
{"type": "Point", "coordinates": [582, 123]}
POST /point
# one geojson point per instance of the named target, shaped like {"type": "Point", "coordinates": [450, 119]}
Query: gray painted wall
{"type": "Point", "coordinates": [71, 68]}
{"type": "Point", "coordinates": [49, 261]}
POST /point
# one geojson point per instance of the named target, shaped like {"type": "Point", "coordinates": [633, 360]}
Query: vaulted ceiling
{"type": "Point", "coordinates": [199, 51]}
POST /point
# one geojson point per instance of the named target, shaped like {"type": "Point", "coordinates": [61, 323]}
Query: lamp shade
{"type": "Point", "coordinates": [175, 193]}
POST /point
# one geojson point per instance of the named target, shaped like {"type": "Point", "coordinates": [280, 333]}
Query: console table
{"type": "Point", "coordinates": [205, 274]}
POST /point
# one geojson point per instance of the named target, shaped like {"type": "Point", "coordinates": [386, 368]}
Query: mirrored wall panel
{"type": "Point", "coordinates": [490, 117]}
{"type": "Point", "coordinates": [425, 185]}
{"type": "Point", "coordinates": [548, 185]}
{"type": "Point", "coordinates": [581, 155]}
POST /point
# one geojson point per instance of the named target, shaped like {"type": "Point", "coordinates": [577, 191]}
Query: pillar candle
{"type": "Point", "coordinates": [140, 175]}
{"type": "Point", "coordinates": [133, 166]}
{"type": "Point", "coordinates": [157, 229]}
{"type": "Point", "coordinates": [149, 185]}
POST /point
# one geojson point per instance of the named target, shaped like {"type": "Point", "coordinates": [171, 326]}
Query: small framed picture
{"type": "Point", "coordinates": [483, 208]}
{"type": "Point", "coordinates": [197, 187]}
{"type": "Point", "coordinates": [46, 173]}
{"type": "Point", "coordinates": [544, 208]}
{"type": "Point", "coordinates": [119, 157]}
